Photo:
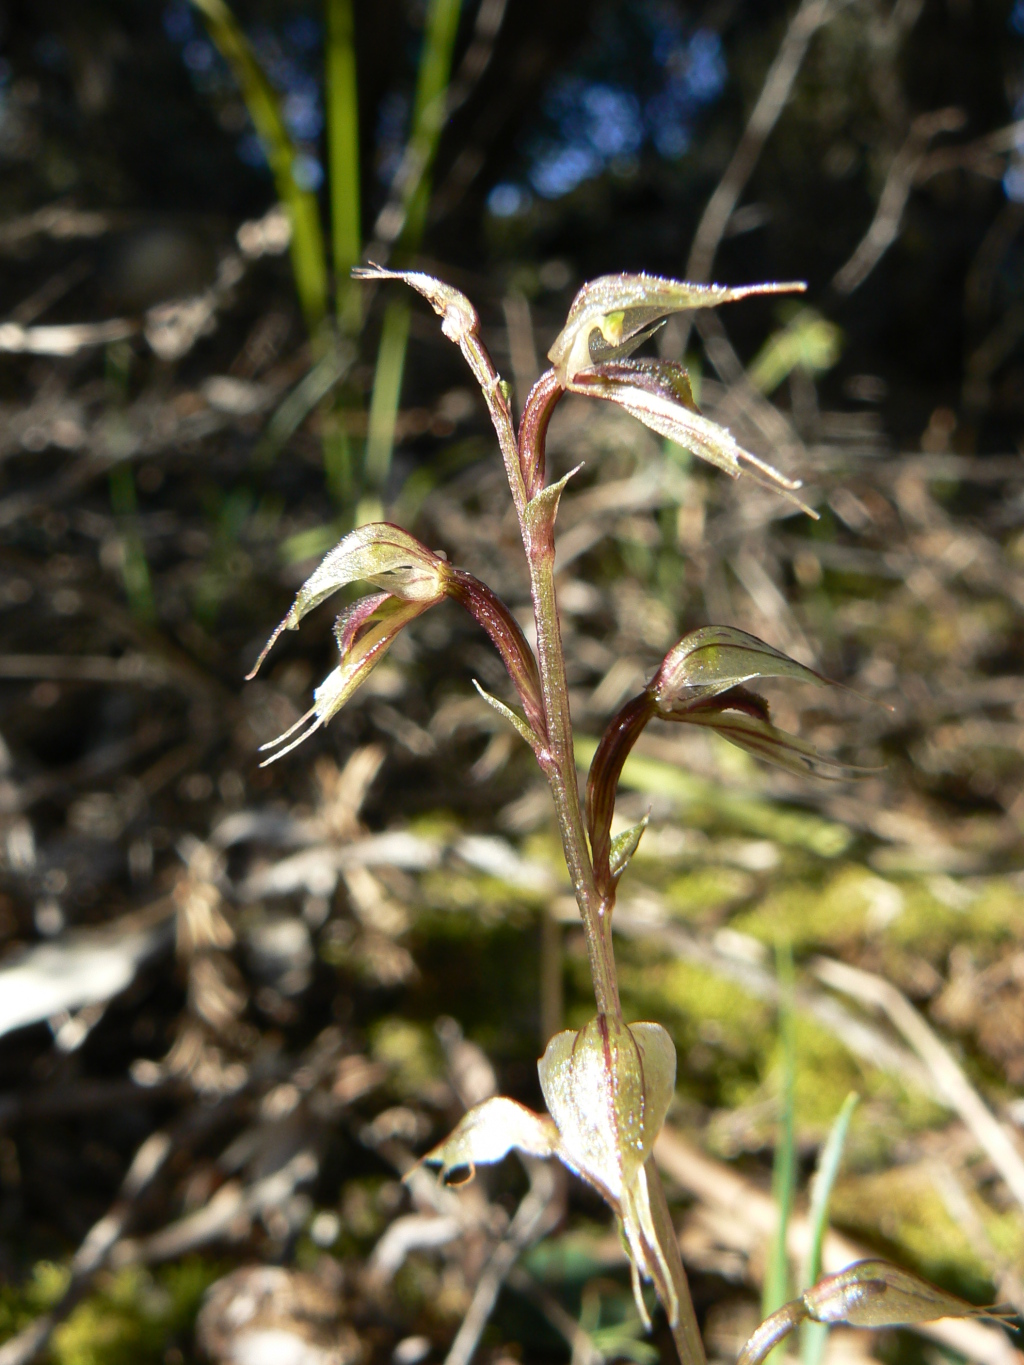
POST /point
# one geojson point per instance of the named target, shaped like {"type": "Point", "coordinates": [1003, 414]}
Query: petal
{"type": "Point", "coordinates": [658, 394]}
{"type": "Point", "coordinates": [608, 1088]}
{"type": "Point", "coordinates": [364, 633]}
{"type": "Point", "coordinates": [762, 739]}
{"type": "Point", "coordinates": [709, 661]}
{"type": "Point", "coordinates": [378, 553]}
{"type": "Point", "coordinates": [489, 1131]}
{"type": "Point", "coordinates": [879, 1294]}
{"type": "Point", "coordinates": [607, 314]}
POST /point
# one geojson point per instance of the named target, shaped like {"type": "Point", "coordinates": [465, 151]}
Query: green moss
{"type": "Point", "coordinates": [410, 1051]}
{"type": "Point", "coordinates": [997, 912]}
{"type": "Point", "coordinates": [854, 903]}
{"type": "Point", "coordinates": [816, 912]}
{"type": "Point", "coordinates": [19, 1304]}
{"type": "Point", "coordinates": [441, 825]}
{"type": "Point", "coordinates": [727, 1043]}
{"type": "Point", "coordinates": [694, 1004]}
{"type": "Point", "coordinates": [130, 1320]}
{"type": "Point", "coordinates": [901, 1208]}
{"type": "Point", "coordinates": [699, 895]}
{"type": "Point", "coordinates": [488, 897]}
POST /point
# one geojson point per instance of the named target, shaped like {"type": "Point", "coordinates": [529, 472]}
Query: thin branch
{"type": "Point", "coordinates": [64, 338]}
{"type": "Point", "coordinates": [912, 167]}
{"type": "Point", "coordinates": [584, 1352]}
{"type": "Point", "coordinates": [892, 203]}
{"type": "Point", "coordinates": [778, 84]}
{"type": "Point", "coordinates": [413, 165]}
{"type": "Point", "coordinates": [95, 668]}
{"type": "Point", "coordinates": [773, 425]}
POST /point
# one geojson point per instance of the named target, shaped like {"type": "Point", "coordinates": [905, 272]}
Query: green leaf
{"type": "Point", "coordinates": [608, 1088]}
{"type": "Point", "coordinates": [341, 98]}
{"type": "Point", "coordinates": [489, 1131]}
{"type": "Point", "coordinates": [711, 660]}
{"type": "Point", "coordinates": [386, 395]}
{"type": "Point", "coordinates": [412, 181]}
{"type": "Point", "coordinates": [809, 342]}
{"type": "Point", "coordinates": [608, 314]}
{"type": "Point", "coordinates": [624, 845]}
{"type": "Point", "coordinates": [814, 1335]}
{"type": "Point", "coordinates": [542, 509]}
{"type": "Point", "coordinates": [775, 1289]}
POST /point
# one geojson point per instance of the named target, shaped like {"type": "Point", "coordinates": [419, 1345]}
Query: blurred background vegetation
{"type": "Point", "coordinates": [234, 1002]}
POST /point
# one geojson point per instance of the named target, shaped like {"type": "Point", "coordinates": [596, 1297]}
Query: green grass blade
{"type": "Point", "coordinates": [776, 1280]}
{"type": "Point", "coordinates": [427, 121]}
{"type": "Point", "coordinates": [814, 1335]}
{"type": "Point", "coordinates": [309, 264]}
{"type": "Point", "coordinates": [428, 112]}
{"type": "Point", "coordinates": [343, 158]}
{"type": "Point", "coordinates": [311, 389]}
{"type": "Point", "coordinates": [387, 390]}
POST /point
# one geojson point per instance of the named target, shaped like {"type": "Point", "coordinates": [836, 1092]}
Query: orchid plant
{"type": "Point", "coordinates": [607, 1086]}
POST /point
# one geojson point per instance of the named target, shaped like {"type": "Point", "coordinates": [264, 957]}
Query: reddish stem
{"type": "Point", "coordinates": [533, 429]}
{"type": "Point", "coordinates": [622, 732]}
{"type": "Point", "coordinates": [505, 632]}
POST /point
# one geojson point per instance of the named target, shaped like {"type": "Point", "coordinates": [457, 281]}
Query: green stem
{"type": "Point", "coordinates": [138, 584]}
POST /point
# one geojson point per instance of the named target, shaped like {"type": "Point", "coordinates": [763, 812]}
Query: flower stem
{"type": "Point", "coordinates": [559, 762]}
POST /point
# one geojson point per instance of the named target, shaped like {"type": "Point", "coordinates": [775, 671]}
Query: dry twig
{"type": "Point", "coordinates": [532, 1220]}
{"type": "Point", "coordinates": [778, 84]}
{"type": "Point", "coordinates": [892, 203]}
{"type": "Point", "coordinates": [949, 1078]}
